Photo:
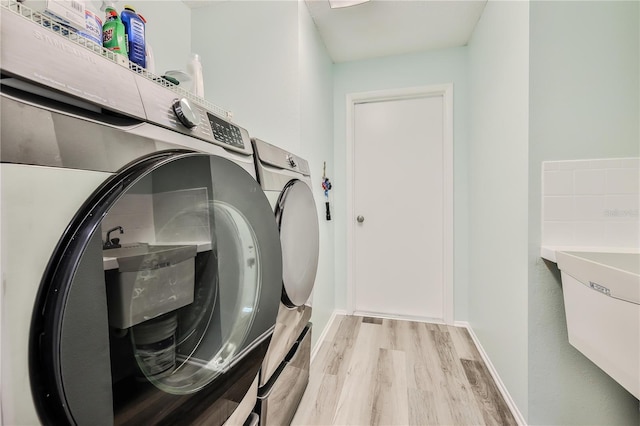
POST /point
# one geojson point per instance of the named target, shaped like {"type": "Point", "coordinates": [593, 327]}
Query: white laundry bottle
{"type": "Point", "coordinates": [194, 69]}
{"type": "Point", "coordinates": [150, 59]}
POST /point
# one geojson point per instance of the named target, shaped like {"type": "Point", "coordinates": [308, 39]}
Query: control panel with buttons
{"type": "Point", "coordinates": [225, 132]}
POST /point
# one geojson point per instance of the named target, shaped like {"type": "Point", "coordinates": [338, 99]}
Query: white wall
{"type": "Point", "coordinates": [498, 210]}
{"type": "Point", "coordinates": [422, 69]}
{"type": "Point", "coordinates": [584, 103]}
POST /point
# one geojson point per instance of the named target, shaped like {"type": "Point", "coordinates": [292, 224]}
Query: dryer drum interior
{"type": "Point", "coordinates": [167, 323]}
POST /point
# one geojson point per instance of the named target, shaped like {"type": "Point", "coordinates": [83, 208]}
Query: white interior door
{"type": "Point", "coordinates": [400, 204]}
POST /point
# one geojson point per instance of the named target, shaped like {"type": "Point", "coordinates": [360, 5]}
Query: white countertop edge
{"type": "Point", "coordinates": [109, 263]}
{"type": "Point", "coordinates": [202, 245]}
{"type": "Point", "coordinates": [112, 262]}
{"type": "Point", "coordinates": [549, 252]}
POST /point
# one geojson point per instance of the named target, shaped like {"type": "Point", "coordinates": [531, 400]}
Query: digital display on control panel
{"type": "Point", "coordinates": [225, 132]}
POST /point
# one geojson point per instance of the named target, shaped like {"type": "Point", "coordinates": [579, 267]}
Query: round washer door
{"type": "Point", "coordinates": [297, 220]}
{"type": "Point", "coordinates": [165, 319]}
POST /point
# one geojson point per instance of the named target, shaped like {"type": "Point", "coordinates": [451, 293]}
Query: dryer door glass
{"type": "Point", "coordinates": [161, 299]}
{"type": "Point", "coordinates": [297, 219]}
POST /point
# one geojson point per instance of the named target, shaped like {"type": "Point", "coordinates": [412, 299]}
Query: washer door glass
{"type": "Point", "coordinates": [298, 222]}
{"type": "Point", "coordinates": [172, 316]}
{"type": "Point", "coordinates": [163, 284]}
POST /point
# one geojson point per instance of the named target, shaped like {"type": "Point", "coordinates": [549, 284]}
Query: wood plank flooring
{"type": "Point", "coordinates": [372, 371]}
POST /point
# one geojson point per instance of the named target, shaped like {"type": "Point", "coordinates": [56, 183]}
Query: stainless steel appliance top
{"type": "Point", "coordinates": [41, 56]}
{"type": "Point", "coordinates": [277, 157]}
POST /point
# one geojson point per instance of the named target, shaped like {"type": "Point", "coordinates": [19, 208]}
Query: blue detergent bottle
{"type": "Point", "coordinates": [134, 29]}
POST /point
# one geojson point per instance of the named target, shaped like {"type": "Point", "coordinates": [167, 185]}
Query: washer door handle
{"type": "Point", "coordinates": [360, 218]}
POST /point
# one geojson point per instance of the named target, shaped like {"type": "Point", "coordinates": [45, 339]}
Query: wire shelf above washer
{"type": "Point", "coordinates": [71, 34]}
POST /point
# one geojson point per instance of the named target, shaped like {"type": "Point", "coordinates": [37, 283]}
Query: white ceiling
{"type": "Point", "coordinates": [390, 27]}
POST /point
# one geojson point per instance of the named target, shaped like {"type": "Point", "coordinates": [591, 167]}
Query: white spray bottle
{"type": "Point", "coordinates": [194, 68]}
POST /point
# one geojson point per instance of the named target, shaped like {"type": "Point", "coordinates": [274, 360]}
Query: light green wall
{"type": "Point", "coordinates": [168, 30]}
{"type": "Point", "coordinates": [498, 144]}
{"type": "Point", "coordinates": [539, 81]}
{"type": "Point", "coordinates": [249, 53]}
{"type": "Point", "coordinates": [316, 145]}
{"type": "Point", "coordinates": [422, 69]}
{"type": "Point", "coordinates": [265, 62]}
{"type": "Point", "coordinates": [584, 103]}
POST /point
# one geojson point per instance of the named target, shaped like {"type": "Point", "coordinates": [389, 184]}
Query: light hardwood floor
{"type": "Point", "coordinates": [372, 371]}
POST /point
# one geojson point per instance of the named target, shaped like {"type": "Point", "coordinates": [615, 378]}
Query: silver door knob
{"type": "Point", "coordinates": [360, 219]}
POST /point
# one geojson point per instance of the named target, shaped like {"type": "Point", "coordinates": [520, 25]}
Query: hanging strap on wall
{"type": "Point", "coordinates": [326, 186]}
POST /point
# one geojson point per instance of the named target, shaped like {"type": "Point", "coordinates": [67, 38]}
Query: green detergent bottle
{"type": "Point", "coordinates": [113, 33]}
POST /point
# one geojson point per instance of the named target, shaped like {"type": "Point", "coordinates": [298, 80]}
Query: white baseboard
{"type": "Point", "coordinates": [398, 317]}
{"type": "Point", "coordinates": [325, 330]}
{"type": "Point", "coordinates": [494, 373]}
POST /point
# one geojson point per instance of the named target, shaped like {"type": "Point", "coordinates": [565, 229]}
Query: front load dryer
{"type": "Point", "coordinates": [284, 375]}
{"type": "Point", "coordinates": [141, 265]}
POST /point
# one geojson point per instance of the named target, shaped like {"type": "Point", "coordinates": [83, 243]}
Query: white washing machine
{"type": "Point", "coordinates": [284, 375]}
{"type": "Point", "coordinates": [141, 266]}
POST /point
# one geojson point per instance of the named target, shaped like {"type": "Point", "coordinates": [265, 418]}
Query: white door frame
{"type": "Point", "coordinates": [446, 91]}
